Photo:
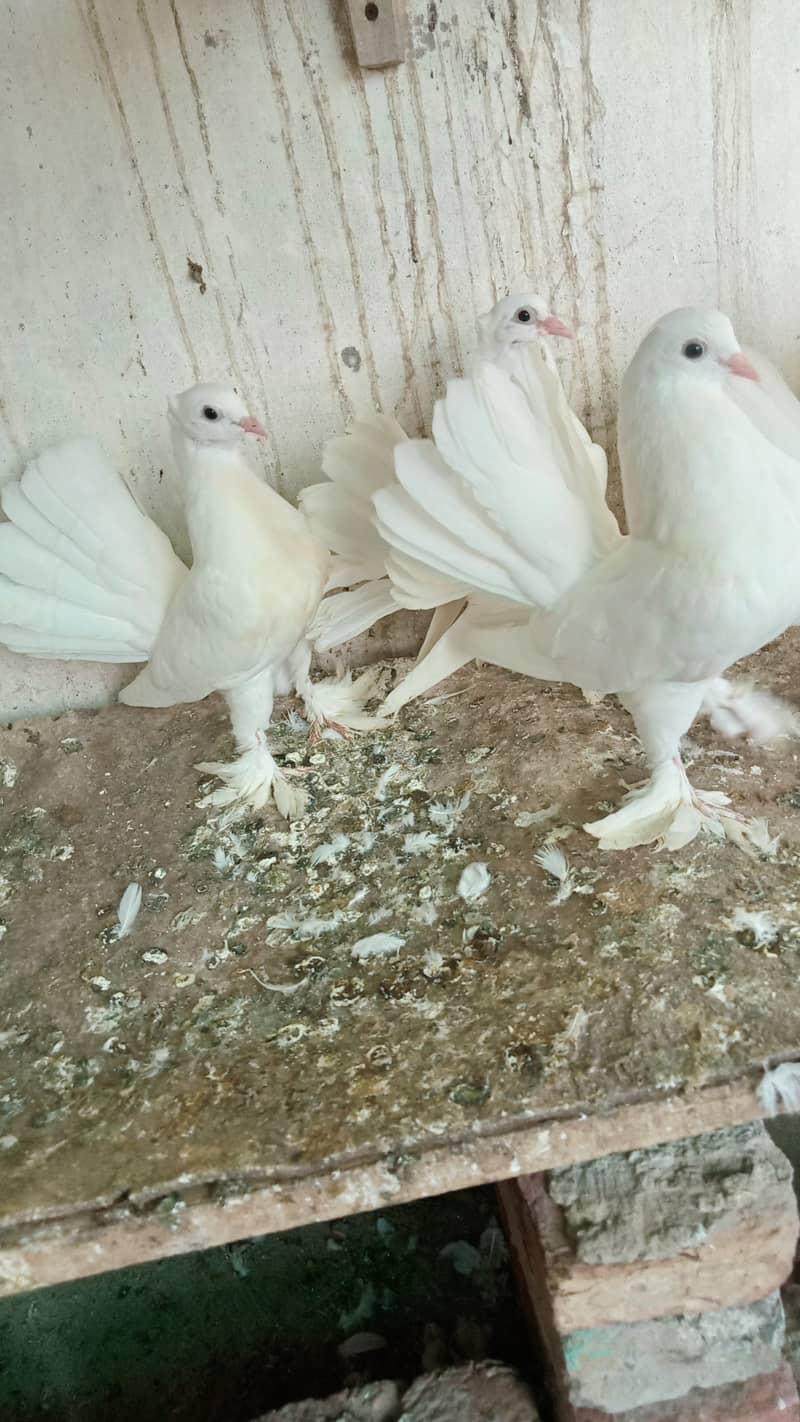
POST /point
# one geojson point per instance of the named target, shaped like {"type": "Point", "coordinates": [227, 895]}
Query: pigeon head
{"type": "Point", "coordinates": [213, 414]}
{"type": "Point", "coordinates": [523, 315]}
{"type": "Point", "coordinates": [696, 343]}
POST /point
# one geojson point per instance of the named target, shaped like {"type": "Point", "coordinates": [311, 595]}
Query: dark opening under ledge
{"type": "Point", "coordinates": [216, 1075]}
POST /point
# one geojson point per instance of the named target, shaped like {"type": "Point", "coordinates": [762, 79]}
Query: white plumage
{"type": "Point", "coordinates": [514, 512]}
{"type": "Point", "coordinates": [85, 574]}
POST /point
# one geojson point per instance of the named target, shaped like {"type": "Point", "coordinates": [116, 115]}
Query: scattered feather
{"type": "Point", "coordinates": [385, 779]}
{"type": "Point", "coordinates": [295, 721]}
{"type": "Point", "coordinates": [421, 843]}
{"type": "Point", "coordinates": [555, 863]}
{"type": "Point", "coordinates": [526, 818]}
{"type": "Point", "coordinates": [426, 913]}
{"type": "Point", "coordinates": [305, 927]}
{"type": "Point", "coordinates": [475, 880]}
{"type": "Point", "coordinates": [577, 1025]}
{"type": "Point", "coordinates": [222, 860]}
{"type": "Point", "coordinates": [286, 989]}
{"type": "Point", "coordinates": [365, 841]}
{"type": "Point", "coordinates": [432, 962]}
{"type": "Point", "coordinates": [377, 945]}
{"type": "Point", "coordinates": [324, 853]}
{"type": "Point", "coordinates": [759, 924]}
{"type": "Point", "coordinates": [445, 814]}
{"type": "Point", "coordinates": [128, 910]}
{"type": "Point", "coordinates": [780, 1087]}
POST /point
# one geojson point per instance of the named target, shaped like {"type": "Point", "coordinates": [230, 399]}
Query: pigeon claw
{"type": "Point", "coordinates": [320, 725]}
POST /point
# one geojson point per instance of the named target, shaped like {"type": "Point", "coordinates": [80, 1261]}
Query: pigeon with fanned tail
{"type": "Point", "coordinates": [706, 576]}
{"type": "Point", "coordinates": [466, 624]}
{"type": "Point", "coordinates": [85, 574]}
{"type": "Point", "coordinates": [360, 463]}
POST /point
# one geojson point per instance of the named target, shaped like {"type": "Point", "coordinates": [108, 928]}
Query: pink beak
{"type": "Point", "coordinates": [739, 365]}
{"type": "Point", "coordinates": [251, 426]}
{"type": "Point", "coordinates": [552, 326]}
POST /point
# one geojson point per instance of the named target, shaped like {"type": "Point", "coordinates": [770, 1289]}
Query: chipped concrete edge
{"type": "Point", "coordinates": [94, 1240]}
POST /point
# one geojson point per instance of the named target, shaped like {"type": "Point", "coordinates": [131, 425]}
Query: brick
{"type": "Point", "coordinates": [628, 1365]}
{"type": "Point", "coordinates": [791, 1309]}
{"type": "Point", "coordinates": [767, 1398]}
{"type": "Point", "coordinates": [700, 1224]}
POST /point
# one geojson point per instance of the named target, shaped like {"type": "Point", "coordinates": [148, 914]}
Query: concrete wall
{"type": "Point", "coordinates": [633, 156]}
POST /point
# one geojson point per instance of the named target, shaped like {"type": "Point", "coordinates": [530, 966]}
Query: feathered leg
{"type": "Point", "coordinates": [254, 778]}
{"type": "Point", "coordinates": [668, 810]}
{"type": "Point", "coordinates": [336, 701]}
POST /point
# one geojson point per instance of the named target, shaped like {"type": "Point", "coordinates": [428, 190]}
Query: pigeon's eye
{"type": "Point", "coordinates": [210, 413]}
{"type": "Point", "coordinates": [524, 315]}
{"type": "Point", "coordinates": [693, 350]}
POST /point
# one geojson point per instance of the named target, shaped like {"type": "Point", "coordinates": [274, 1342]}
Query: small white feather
{"type": "Point", "coordinates": [781, 1086]}
{"type": "Point", "coordinates": [421, 843]}
{"type": "Point", "coordinates": [555, 863]}
{"type": "Point", "coordinates": [128, 910]}
{"type": "Point", "coordinates": [474, 881]}
{"type": "Point", "coordinates": [757, 922]}
{"type": "Point", "coordinates": [426, 913]}
{"type": "Point", "coordinates": [324, 853]}
{"type": "Point", "coordinates": [295, 721]}
{"type": "Point", "coordinates": [222, 860]}
{"type": "Point", "coordinates": [377, 945]}
{"type": "Point", "coordinates": [445, 814]}
{"type": "Point", "coordinates": [390, 773]}
{"type": "Point", "coordinates": [305, 927]}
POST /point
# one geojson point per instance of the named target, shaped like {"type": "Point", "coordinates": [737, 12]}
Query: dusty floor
{"type": "Point", "coordinates": [245, 1033]}
{"type": "Point", "coordinates": [222, 1335]}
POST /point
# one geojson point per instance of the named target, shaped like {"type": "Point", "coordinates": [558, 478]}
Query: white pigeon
{"type": "Point", "coordinates": [358, 464]}
{"type": "Point", "coordinates": [85, 574]}
{"type": "Point", "coordinates": [474, 625]}
{"type": "Point", "coordinates": [706, 576]}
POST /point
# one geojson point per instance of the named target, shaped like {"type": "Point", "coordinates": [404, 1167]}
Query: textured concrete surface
{"type": "Point", "coordinates": [693, 1225]}
{"type": "Point", "coordinates": [243, 1061]}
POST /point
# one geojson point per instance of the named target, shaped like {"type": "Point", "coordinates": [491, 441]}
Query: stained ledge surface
{"type": "Point", "coordinates": [244, 1062]}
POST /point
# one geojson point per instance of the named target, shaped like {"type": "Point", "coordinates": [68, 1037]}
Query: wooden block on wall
{"type": "Point", "coordinates": [377, 32]}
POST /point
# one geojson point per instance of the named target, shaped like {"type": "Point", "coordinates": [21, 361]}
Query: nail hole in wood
{"type": "Point", "coordinates": [371, 11]}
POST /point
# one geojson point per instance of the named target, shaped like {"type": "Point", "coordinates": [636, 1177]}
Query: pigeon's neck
{"type": "Point", "coordinates": [695, 473]}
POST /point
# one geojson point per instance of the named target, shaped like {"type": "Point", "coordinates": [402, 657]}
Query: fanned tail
{"type": "Point", "coordinates": [491, 506]}
{"type": "Point", "coordinates": [84, 574]}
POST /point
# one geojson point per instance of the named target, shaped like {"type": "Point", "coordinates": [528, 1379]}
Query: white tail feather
{"type": "Point", "coordinates": [343, 700]}
{"type": "Point", "coordinates": [346, 614]}
{"type": "Point", "coordinates": [781, 1086]}
{"type": "Point", "coordinates": [84, 574]}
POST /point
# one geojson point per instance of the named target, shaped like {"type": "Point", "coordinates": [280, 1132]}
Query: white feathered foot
{"type": "Point", "coordinates": [339, 702]}
{"type": "Point", "coordinates": [252, 780]}
{"type": "Point", "coordinates": [669, 812]}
